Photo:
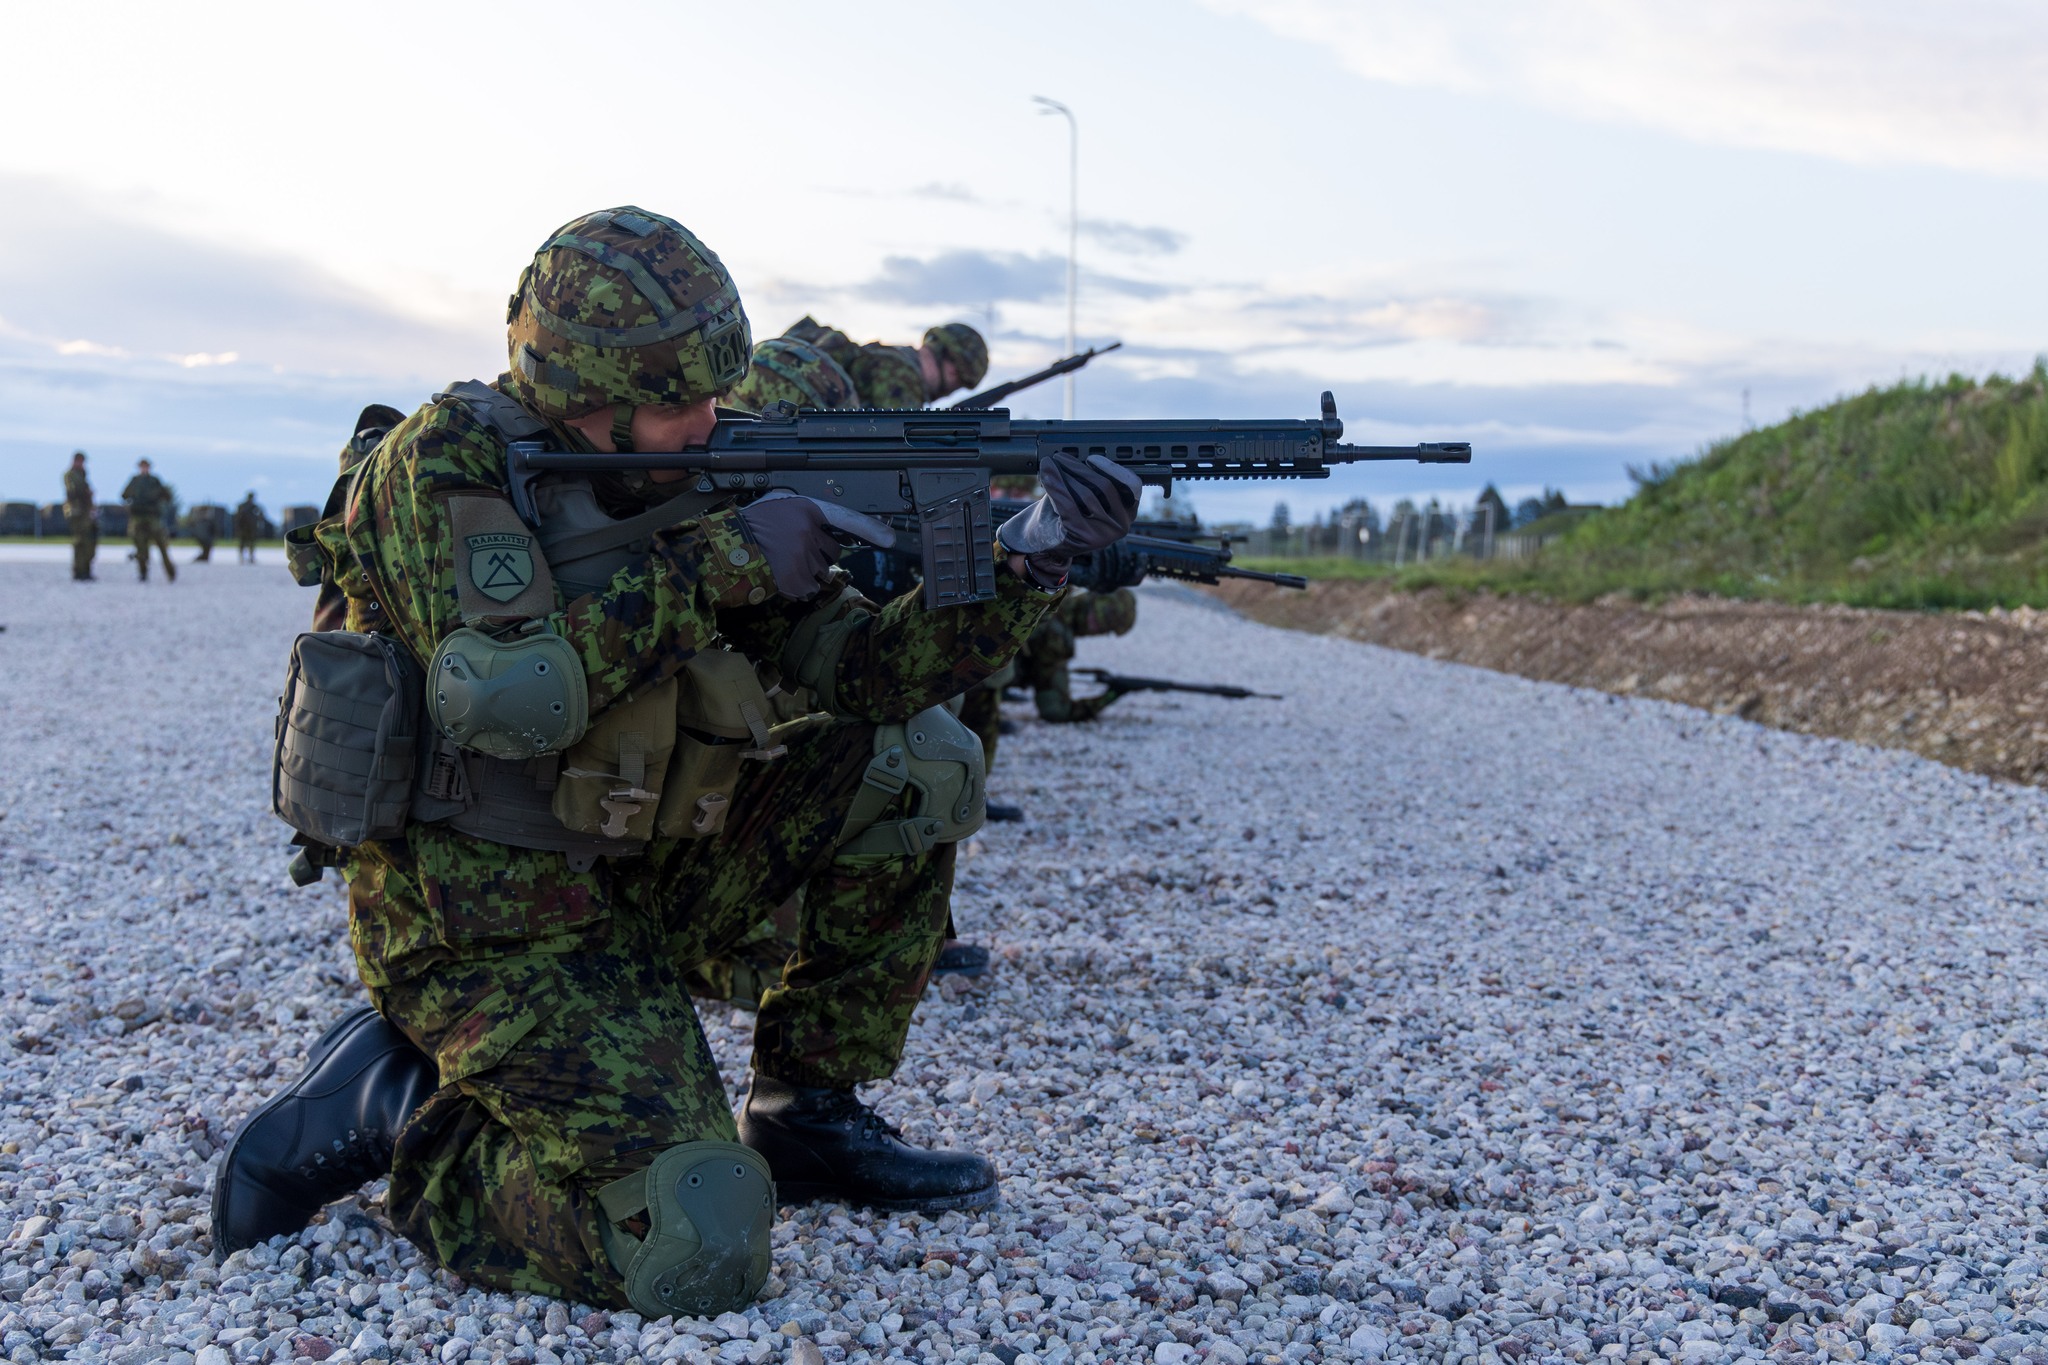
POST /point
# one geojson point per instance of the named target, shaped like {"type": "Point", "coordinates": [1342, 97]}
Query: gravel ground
{"type": "Point", "coordinates": [1428, 1014]}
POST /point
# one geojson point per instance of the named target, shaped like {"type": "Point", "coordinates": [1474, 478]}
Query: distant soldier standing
{"type": "Point", "coordinates": [148, 500]}
{"type": "Point", "coordinates": [82, 517]}
{"type": "Point", "coordinates": [248, 526]}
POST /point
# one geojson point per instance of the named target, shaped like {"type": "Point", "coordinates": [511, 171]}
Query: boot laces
{"type": "Point", "coordinates": [873, 1125]}
{"type": "Point", "coordinates": [363, 1153]}
{"type": "Point", "coordinates": [864, 1120]}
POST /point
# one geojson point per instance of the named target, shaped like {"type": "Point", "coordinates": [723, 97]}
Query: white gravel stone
{"type": "Point", "coordinates": [1426, 1013]}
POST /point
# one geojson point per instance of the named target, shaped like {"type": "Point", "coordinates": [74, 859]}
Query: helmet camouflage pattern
{"type": "Point", "coordinates": [1102, 613]}
{"type": "Point", "coordinates": [790, 371]}
{"type": "Point", "coordinates": [962, 345]}
{"type": "Point", "coordinates": [624, 307]}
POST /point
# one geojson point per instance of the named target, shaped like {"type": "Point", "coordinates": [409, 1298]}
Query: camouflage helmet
{"type": "Point", "coordinates": [791, 371]}
{"type": "Point", "coordinates": [1102, 613]}
{"type": "Point", "coordinates": [624, 307]}
{"type": "Point", "coordinates": [962, 345]}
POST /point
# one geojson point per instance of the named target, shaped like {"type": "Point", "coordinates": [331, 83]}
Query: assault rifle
{"type": "Point", "coordinates": [988, 398]}
{"type": "Point", "coordinates": [1135, 558]}
{"type": "Point", "coordinates": [1119, 682]}
{"type": "Point", "coordinates": [867, 465]}
{"type": "Point", "coordinates": [1154, 549]}
{"type": "Point", "coordinates": [887, 573]}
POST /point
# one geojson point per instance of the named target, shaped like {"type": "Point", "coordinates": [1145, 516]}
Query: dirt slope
{"type": "Point", "coordinates": [1968, 689]}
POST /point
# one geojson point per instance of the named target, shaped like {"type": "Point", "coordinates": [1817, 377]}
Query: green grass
{"type": "Point", "coordinates": [1925, 495]}
{"type": "Point", "coordinates": [1325, 567]}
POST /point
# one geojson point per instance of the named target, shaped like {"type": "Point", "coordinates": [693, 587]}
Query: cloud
{"type": "Point", "coordinates": [231, 369]}
{"type": "Point", "coordinates": [1133, 239]}
{"type": "Point", "coordinates": [947, 192]}
{"type": "Point", "coordinates": [1962, 85]}
{"type": "Point", "coordinates": [88, 277]}
{"type": "Point", "coordinates": [212, 431]}
{"type": "Point", "coordinates": [969, 277]}
{"type": "Point", "coordinates": [973, 277]}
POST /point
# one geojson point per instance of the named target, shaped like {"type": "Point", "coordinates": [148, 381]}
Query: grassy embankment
{"type": "Point", "coordinates": [1920, 496]}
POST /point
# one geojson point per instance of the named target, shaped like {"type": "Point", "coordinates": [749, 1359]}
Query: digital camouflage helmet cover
{"type": "Point", "coordinates": [961, 344]}
{"type": "Point", "coordinates": [623, 307]}
{"type": "Point", "coordinates": [792, 371]}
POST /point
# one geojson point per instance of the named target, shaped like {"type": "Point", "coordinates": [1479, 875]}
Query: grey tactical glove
{"type": "Point", "coordinates": [1086, 506]}
{"type": "Point", "coordinates": [797, 537]}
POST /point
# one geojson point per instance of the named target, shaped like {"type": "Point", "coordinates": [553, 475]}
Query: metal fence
{"type": "Point", "coordinates": [1414, 537]}
{"type": "Point", "coordinates": [1409, 538]}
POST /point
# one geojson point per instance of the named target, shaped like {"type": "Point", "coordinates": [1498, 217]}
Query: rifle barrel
{"type": "Point", "coordinates": [988, 398]}
{"type": "Point", "coordinates": [1125, 683]}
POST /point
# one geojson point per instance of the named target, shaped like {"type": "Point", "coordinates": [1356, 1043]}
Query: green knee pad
{"type": "Point", "coordinates": [708, 1207]}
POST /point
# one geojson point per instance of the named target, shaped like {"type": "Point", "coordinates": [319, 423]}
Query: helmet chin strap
{"type": "Point", "coordinates": [622, 427]}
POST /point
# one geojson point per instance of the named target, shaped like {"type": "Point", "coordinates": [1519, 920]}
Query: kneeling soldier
{"type": "Point", "coordinates": [650, 717]}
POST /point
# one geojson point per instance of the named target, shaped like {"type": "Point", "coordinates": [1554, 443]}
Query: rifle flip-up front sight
{"type": "Point", "coordinates": [936, 464]}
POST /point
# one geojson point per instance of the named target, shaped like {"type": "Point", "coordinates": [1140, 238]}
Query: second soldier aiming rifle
{"type": "Point", "coordinates": [1123, 682]}
{"type": "Point", "coordinates": [867, 465]}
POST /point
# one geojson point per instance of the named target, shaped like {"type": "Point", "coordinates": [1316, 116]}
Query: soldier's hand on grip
{"type": "Point", "coordinates": [796, 536]}
{"type": "Point", "coordinates": [1086, 505]}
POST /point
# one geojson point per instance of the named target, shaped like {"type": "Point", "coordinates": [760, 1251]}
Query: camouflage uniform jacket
{"type": "Point", "coordinates": [883, 376]}
{"type": "Point", "coordinates": [77, 494]}
{"type": "Point", "coordinates": [888, 376]}
{"type": "Point", "coordinates": [145, 495]}
{"type": "Point", "coordinates": [248, 519]}
{"type": "Point", "coordinates": [394, 555]}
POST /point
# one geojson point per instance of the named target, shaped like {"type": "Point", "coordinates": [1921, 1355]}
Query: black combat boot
{"type": "Point", "coordinates": [327, 1132]}
{"type": "Point", "coordinates": [960, 958]}
{"type": "Point", "coordinates": [823, 1143]}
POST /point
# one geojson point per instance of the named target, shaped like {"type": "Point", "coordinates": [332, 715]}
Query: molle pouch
{"type": "Point", "coordinates": [348, 738]}
{"type": "Point", "coordinates": [611, 780]}
{"type": "Point", "coordinates": [698, 793]}
{"type": "Point", "coordinates": [724, 715]}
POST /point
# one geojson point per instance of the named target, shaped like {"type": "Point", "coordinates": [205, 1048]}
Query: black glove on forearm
{"type": "Point", "coordinates": [1086, 505]}
{"type": "Point", "coordinates": [795, 536]}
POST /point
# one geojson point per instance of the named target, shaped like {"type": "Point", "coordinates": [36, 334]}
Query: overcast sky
{"type": "Point", "coordinates": [1572, 232]}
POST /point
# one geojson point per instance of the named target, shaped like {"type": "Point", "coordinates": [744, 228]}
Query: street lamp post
{"type": "Point", "coordinates": [1047, 106]}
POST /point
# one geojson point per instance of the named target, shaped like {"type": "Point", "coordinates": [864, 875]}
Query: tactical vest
{"type": "Point", "coordinates": [658, 764]}
{"type": "Point", "coordinates": [663, 762]}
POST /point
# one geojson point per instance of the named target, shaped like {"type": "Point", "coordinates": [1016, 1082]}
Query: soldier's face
{"type": "Point", "coordinates": [941, 374]}
{"type": "Point", "coordinates": [656, 426]}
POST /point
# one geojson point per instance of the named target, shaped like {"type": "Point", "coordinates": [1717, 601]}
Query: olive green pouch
{"type": "Point", "coordinates": [698, 792]}
{"type": "Point", "coordinates": [610, 782]}
{"type": "Point", "coordinates": [724, 715]}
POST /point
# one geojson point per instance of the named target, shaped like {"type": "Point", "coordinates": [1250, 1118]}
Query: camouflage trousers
{"type": "Point", "coordinates": [145, 532]}
{"type": "Point", "coordinates": [981, 711]}
{"type": "Point", "coordinates": [85, 543]}
{"type": "Point", "coordinates": [573, 1056]}
{"type": "Point", "coordinates": [742, 974]}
